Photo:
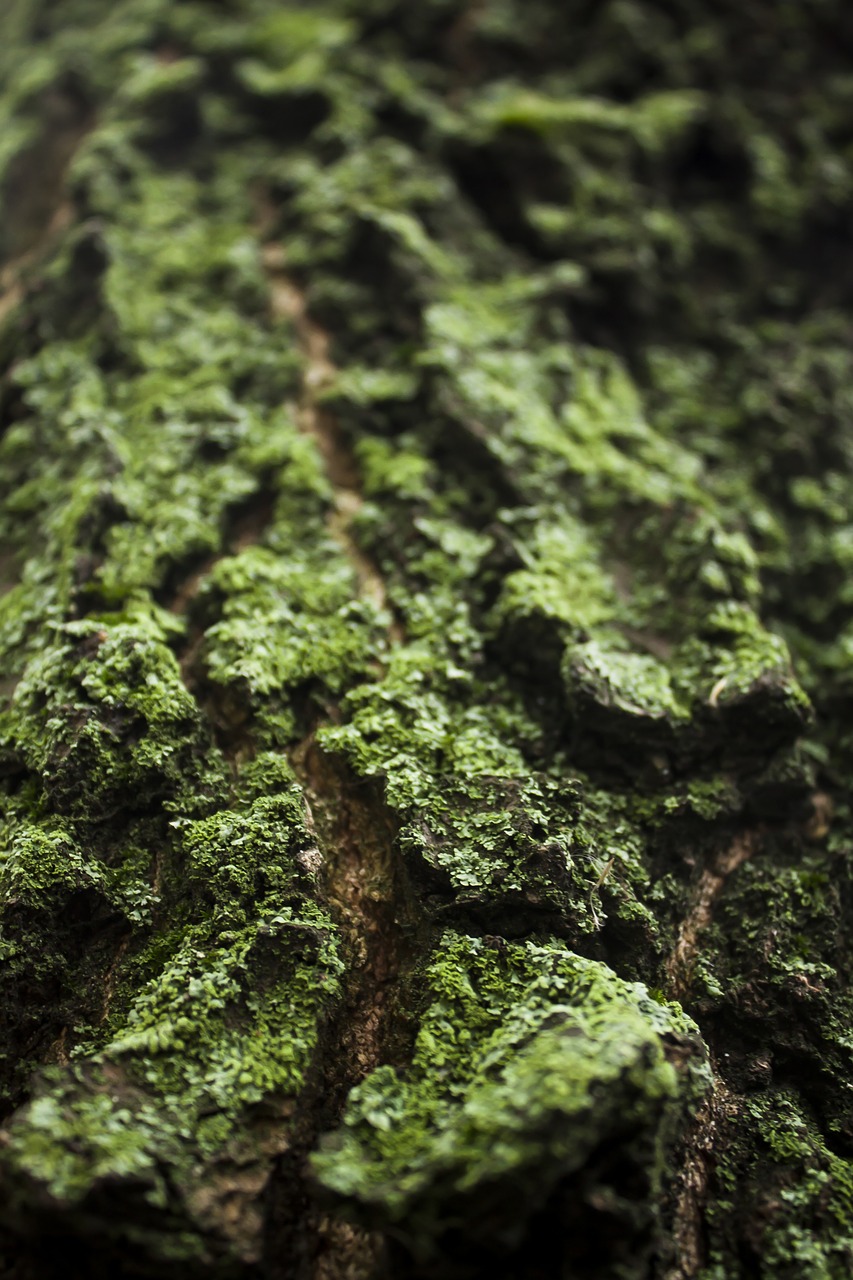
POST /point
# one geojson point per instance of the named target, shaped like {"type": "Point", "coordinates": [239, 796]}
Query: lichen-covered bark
{"type": "Point", "coordinates": [427, 465]}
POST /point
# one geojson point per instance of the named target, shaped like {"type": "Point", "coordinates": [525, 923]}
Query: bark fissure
{"type": "Point", "coordinates": [712, 881]}
{"type": "Point", "coordinates": [339, 460]}
{"type": "Point", "coordinates": [362, 880]}
{"type": "Point", "coordinates": [362, 869]}
{"type": "Point", "coordinates": [12, 285]}
{"type": "Point", "coordinates": [361, 875]}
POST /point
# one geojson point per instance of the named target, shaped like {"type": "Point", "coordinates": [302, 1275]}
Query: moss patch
{"type": "Point", "coordinates": [528, 1060]}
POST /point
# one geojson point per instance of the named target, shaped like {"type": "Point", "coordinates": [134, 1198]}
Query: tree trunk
{"type": "Point", "coordinates": [426, 639]}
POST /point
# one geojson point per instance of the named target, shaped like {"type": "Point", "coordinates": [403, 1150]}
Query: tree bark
{"type": "Point", "coordinates": [426, 633]}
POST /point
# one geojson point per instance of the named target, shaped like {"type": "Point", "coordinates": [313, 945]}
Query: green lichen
{"type": "Point", "coordinates": [584, 275]}
{"type": "Point", "coordinates": [801, 1176]}
{"type": "Point", "coordinates": [109, 706]}
{"type": "Point", "coordinates": [231, 1020]}
{"type": "Point", "coordinates": [636, 683]}
{"type": "Point", "coordinates": [528, 1059]}
{"type": "Point", "coordinates": [284, 625]}
{"type": "Point", "coordinates": [151, 426]}
{"type": "Point", "coordinates": [562, 582]}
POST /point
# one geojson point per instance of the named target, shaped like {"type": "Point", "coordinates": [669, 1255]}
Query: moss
{"type": "Point", "coordinates": [103, 716]}
{"type": "Point", "coordinates": [596, 378]}
{"type": "Point", "coordinates": [632, 682]}
{"type": "Point", "coordinates": [516, 1051]}
{"type": "Point", "coordinates": [562, 587]}
{"type": "Point", "coordinates": [117, 1142]}
{"type": "Point", "coordinates": [654, 121]}
{"type": "Point", "coordinates": [230, 1021]}
{"type": "Point", "coordinates": [498, 847]}
{"type": "Point", "coordinates": [44, 867]}
{"type": "Point", "coordinates": [285, 624]}
{"type": "Point", "coordinates": [292, 51]}
{"type": "Point", "coordinates": [226, 1025]}
{"type": "Point", "coordinates": [150, 421]}
{"type": "Point", "coordinates": [790, 1169]}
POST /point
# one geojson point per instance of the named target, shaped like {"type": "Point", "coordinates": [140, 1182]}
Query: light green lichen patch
{"type": "Point", "coordinates": [230, 1021]}
{"type": "Point", "coordinates": [478, 826]}
{"type": "Point", "coordinates": [499, 843]}
{"type": "Point", "coordinates": [561, 580]}
{"type": "Point", "coordinates": [528, 1060]}
{"type": "Point", "coordinates": [104, 717]}
{"type": "Point", "coordinates": [654, 121]}
{"type": "Point", "coordinates": [287, 624]}
{"type": "Point", "coordinates": [636, 683]}
{"type": "Point", "coordinates": [43, 866]}
{"type": "Point", "coordinates": [117, 1137]}
{"type": "Point", "coordinates": [728, 692]}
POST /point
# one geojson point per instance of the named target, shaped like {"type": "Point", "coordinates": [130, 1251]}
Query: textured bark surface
{"type": "Point", "coordinates": [426, 634]}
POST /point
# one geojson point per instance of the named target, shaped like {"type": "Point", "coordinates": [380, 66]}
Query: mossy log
{"type": "Point", "coordinates": [426, 643]}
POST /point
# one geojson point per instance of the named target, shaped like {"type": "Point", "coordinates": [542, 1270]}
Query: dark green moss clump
{"type": "Point", "coordinates": [530, 1062]}
{"type": "Point", "coordinates": [189, 1079]}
